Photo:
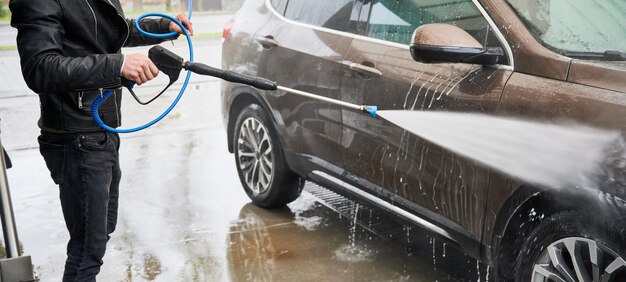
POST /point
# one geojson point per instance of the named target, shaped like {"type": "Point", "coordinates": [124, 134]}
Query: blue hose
{"type": "Point", "coordinates": [100, 99]}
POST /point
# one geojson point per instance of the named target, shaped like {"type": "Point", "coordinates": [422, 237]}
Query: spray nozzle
{"type": "Point", "coordinates": [371, 110]}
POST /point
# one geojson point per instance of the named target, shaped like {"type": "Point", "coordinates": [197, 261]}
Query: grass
{"type": "Point", "coordinates": [5, 13]}
{"type": "Point", "coordinates": [207, 35]}
{"type": "Point", "coordinates": [8, 48]}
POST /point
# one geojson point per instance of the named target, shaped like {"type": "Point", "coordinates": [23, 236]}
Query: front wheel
{"type": "Point", "coordinates": [260, 161]}
{"type": "Point", "coordinates": [574, 246]}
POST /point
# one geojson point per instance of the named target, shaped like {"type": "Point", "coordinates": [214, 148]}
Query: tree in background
{"type": "Point", "coordinates": [3, 12]}
{"type": "Point", "coordinates": [204, 5]}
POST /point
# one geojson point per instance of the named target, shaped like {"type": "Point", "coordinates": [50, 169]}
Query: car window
{"type": "Point", "coordinates": [396, 20]}
{"type": "Point", "coordinates": [334, 14]}
{"type": "Point", "coordinates": [570, 26]}
{"type": "Point", "coordinates": [279, 5]}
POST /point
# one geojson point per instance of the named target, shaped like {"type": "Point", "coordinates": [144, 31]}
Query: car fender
{"type": "Point", "coordinates": [529, 205]}
{"type": "Point", "coordinates": [242, 96]}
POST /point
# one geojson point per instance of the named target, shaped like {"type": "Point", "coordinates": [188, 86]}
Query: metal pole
{"type": "Point", "coordinates": [321, 98]}
{"type": "Point", "coordinates": [6, 212]}
{"type": "Point", "coordinates": [15, 267]}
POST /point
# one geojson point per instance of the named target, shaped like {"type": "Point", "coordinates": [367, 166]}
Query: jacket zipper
{"type": "Point", "coordinates": [117, 109]}
{"type": "Point", "coordinates": [117, 112]}
{"type": "Point", "coordinates": [95, 19]}
{"type": "Point", "coordinates": [80, 99]}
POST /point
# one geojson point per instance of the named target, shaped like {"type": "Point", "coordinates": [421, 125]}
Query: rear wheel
{"type": "Point", "coordinates": [260, 161]}
{"type": "Point", "coordinates": [574, 246]}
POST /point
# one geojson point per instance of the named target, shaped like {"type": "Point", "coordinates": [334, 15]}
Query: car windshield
{"type": "Point", "coordinates": [574, 28]}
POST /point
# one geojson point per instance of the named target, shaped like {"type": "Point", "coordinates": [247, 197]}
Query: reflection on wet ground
{"type": "Point", "coordinates": [408, 240]}
{"type": "Point", "coordinates": [311, 241]}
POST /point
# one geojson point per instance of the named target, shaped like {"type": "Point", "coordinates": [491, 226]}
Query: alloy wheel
{"type": "Point", "coordinates": [578, 259]}
{"type": "Point", "coordinates": [255, 155]}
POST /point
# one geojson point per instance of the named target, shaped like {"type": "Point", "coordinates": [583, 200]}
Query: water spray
{"type": "Point", "coordinates": [549, 155]}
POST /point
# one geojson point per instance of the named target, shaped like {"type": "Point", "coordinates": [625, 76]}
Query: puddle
{"type": "Point", "coordinates": [309, 223]}
{"type": "Point", "coordinates": [151, 267]}
{"type": "Point", "coordinates": [353, 253]}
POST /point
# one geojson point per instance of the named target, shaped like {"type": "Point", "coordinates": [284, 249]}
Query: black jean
{"type": "Point", "coordinates": [86, 168]}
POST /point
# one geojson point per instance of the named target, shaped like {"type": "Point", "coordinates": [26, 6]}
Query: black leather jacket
{"type": "Point", "coordinates": [70, 52]}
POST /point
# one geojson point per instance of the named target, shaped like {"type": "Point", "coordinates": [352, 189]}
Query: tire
{"type": "Point", "coordinates": [260, 161]}
{"type": "Point", "coordinates": [564, 240]}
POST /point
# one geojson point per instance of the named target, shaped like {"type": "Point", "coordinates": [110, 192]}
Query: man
{"type": "Point", "coordinates": [70, 53]}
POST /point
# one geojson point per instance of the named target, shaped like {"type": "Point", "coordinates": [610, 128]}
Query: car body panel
{"type": "Point", "coordinates": [396, 159]}
{"type": "Point", "coordinates": [312, 65]}
{"type": "Point", "coordinates": [530, 56]}
{"type": "Point", "coordinates": [550, 88]}
{"type": "Point", "coordinates": [605, 75]}
{"type": "Point", "coordinates": [407, 165]}
{"type": "Point", "coordinates": [239, 49]}
{"type": "Point", "coordinates": [552, 101]}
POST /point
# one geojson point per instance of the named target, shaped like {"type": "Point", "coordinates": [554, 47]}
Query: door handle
{"type": "Point", "coordinates": [365, 70]}
{"type": "Point", "coordinates": [267, 42]}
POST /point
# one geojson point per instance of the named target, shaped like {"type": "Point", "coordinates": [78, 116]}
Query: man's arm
{"type": "Point", "coordinates": [159, 26]}
{"type": "Point", "coordinates": [150, 25]}
{"type": "Point", "coordinates": [141, 73]}
{"type": "Point", "coordinates": [40, 45]}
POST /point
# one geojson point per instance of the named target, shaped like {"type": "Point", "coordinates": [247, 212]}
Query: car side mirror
{"type": "Point", "coordinates": [445, 43]}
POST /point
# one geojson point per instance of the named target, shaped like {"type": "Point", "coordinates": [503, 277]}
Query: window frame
{"type": "Point", "coordinates": [277, 9]}
{"type": "Point", "coordinates": [501, 39]}
{"type": "Point", "coordinates": [349, 26]}
{"type": "Point", "coordinates": [505, 44]}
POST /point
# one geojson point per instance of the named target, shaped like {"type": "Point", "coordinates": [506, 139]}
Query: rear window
{"type": "Point", "coordinates": [334, 14]}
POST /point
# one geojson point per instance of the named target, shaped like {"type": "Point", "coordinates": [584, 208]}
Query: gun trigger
{"type": "Point", "coordinates": [168, 86]}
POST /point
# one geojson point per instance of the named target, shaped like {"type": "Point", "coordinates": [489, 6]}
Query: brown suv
{"type": "Point", "coordinates": [547, 72]}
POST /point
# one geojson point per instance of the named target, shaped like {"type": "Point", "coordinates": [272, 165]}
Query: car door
{"type": "Point", "coordinates": [302, 48]}
{"type": "Point", "coordinates": [379, 70]}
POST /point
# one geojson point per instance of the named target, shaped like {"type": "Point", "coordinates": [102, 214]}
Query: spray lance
{"type": "Point", "coordinates": [172, 65]}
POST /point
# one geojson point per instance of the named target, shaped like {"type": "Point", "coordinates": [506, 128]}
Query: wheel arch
{"type": "Point", "coordinates": [529, 205]}
{"type": "Point", "coordinates": [241, 98]}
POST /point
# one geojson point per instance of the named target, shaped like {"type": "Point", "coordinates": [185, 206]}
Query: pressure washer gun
{"type": "Point", "coordinates": [171, 64]}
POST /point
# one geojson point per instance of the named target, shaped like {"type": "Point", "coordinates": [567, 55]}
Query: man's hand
{"type": "Point", "coordinates": [139, 68]}
{"type": "Point", "coordinates": [182, 18]}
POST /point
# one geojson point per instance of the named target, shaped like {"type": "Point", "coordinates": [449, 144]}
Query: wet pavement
{"type": "Point", "coordinates": [184, 216]}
